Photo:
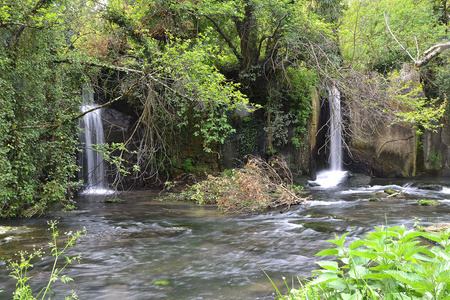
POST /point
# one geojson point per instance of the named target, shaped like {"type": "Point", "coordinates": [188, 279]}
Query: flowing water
{"type": "Point", "coordinates": [142, 248]}
{"type": "Point", "coordinates": [334, 175]}
{"type": "Point", "coordinates": [335, 129]}
{"type": "Point", "coordinates": [92, 163]}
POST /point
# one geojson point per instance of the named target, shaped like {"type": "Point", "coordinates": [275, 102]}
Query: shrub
{"type": "Point", "coordinates": [389, 263]}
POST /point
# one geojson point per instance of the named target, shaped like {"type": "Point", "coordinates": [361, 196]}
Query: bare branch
{"type": "Point", "coordinates": [387, 25]}
{"type": "Point", "coordinates": [431, 53]}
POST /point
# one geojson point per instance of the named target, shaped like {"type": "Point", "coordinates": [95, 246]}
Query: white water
{"type": "Point", "coordinates": [335, 129]}
{"type": "Point", "coordinates": [335, 175]}
{"type": "Point", "coordinates": [92, 163]}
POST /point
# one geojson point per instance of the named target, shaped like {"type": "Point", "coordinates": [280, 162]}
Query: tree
{"type": "Point", "coordinates": [39, 98]}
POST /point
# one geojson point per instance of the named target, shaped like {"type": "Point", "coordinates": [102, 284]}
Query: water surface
{"type": "Point", "coordinates": [146, 249]}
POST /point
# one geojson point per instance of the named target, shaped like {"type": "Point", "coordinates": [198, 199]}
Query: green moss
{"type": "Point", "coordinates": [428, 202]}
{"type": "Point", "coordinates": [319, 227]}
{"type": "Point", "coordinates": [374, 199]}
{"type": "Point", "coordinates": [114, 200]}
{"type": "Point", "coordinates": [390, 191]}
{"type": "Point", "coordinates": [161, 282]}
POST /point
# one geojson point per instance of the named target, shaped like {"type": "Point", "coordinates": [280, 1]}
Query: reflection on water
{"type": "Point", "coordinates": [200, 254]}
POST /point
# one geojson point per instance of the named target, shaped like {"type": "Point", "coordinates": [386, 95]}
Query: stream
{"type": "Point", "coordinates": [143, 248]}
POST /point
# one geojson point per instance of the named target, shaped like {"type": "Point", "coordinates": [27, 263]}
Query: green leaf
{"type": "Point", "coordinates": [338, 241]}
{"type": "Point", "coordinates": [366, 253]}
{"type": "Point", "coordinates": [324, 278]}
{"type": "Point", "coordinates": [357, 272]}
{"type": "Point", "coordinates": [415, 281]}
{"type": "Point", "coordinates": [329, 265]}
{"type": "Point", "coordinates": [327, 252]}
{"type": "Point", "coordinates": [356, 244]}
{"type": "Point", "coordinates": [382, 267]}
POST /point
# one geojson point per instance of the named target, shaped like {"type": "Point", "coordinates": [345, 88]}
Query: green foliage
{"type": "Point", "coordinates": [435, 158]}
{"type": "Point", "coordinates": [20, 268]}
{"type": "Point", "coordinates": [303, 82]}
{"type": "Point", "coordinates": [248, 135]}
{"type": "Point", "coordinates": [389, 263]}
{"type": "Point", "coordinates": [411, 106]}
{"type": "Point", "coordinates": [366, 42]}
{"type": "Point", "coordinates": [290, 104]}
{"type": "Point", "coordinates": [39, 100]}
{"type": "Point", "coordinates": [187, 165]}
{"type": "Point", "coordinates": [114, 153]}
{"type": "Point", "coordinates": [208, 97]}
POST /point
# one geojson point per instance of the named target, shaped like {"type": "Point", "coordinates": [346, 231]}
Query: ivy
{"type": "Point", "coordinates": [38, 100]}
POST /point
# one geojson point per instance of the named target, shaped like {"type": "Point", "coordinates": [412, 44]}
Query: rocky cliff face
{"type": "Point", "coordinates": [435, 152]}
{"type": "Point", "coordinates": [394, 150]}
{"type": "Point", "coordinates": [385, 149]}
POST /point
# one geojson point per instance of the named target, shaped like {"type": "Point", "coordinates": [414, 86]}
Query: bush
{"type": "Point", "coordinates": [257, 186]}
{"type": "Point", "coordinates": [390, 263]}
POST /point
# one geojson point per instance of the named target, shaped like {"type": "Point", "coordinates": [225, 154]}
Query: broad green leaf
{"type": "Point", "coordinates": [415, 281]}
{"type": "Point", "coordinates": [324, 278]}
{"type": "Point", "coordinates": [327, 252]}
{"type": "Point", "coordinates": [329, 265]}
{"type": "Point", "coordinates": [357, 272]}
{"type": "Point", "coordinates": [364, 253]}
{"type": "Point", "coordinates": [443, 276]}
{"type": "Point", "coordinates": [356, 244]}
{"type": "Point", "coordinates": [413, 250]}
{"type": "Point", "coordinates": [382, 267]}
{"type": "Point", "coordinates": [377, 276]}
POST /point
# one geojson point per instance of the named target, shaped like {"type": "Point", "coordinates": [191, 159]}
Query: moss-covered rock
{"type": "Point", "coordinates": [428, 202]}
{"type": "Point", "coordinates": [390, 191]}
{"type": "Point", "coordinates": [114, 200]}
{"type": "Point", "coordinates": [374, 199]}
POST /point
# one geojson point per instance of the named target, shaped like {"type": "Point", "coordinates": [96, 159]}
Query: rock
{"type": "Point", "coordinates": [114, 200]}
{"type": "Point", "coordinates": [374, 199]}
{"type": "Point", "coordinates": [430, 187]}
{"type": "Point", "coordinates": [390, 191]}
{"type": "Point", "coordinates": [437, 228]}
{"type": "Point", "coordinates": [428, 202]}
{"type": "Point", "coordinates": [312, 184]}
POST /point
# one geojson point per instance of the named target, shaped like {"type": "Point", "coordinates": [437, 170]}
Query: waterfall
{"type": "Point", "coordinates": [93, 169]}
{"type": "Point", "coordinates": [335, 129]}
{"type": "Point", "coordinates": [335, 175]}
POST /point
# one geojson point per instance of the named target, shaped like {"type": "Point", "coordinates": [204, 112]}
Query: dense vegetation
{"type": "Point", "coordinates": [389, 263]}
{"type": "Point", "coordinates": [191, 68]}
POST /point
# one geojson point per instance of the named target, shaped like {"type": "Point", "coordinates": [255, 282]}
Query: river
{"type": "Point", "coordinates": [142, 248]}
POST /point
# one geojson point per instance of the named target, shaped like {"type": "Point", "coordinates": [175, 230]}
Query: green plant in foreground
{"type": "Point", "coordinates": [20, 267]}
{"type": "Point", "coordinates": [389, 263]}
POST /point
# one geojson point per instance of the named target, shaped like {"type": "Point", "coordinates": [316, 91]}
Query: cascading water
{"type": "Point", "coordinates": [335, 130]}
{"type": "Point", "coordinates": [92, 162]}
{"type": "Point", "coordinates": [335, 175]}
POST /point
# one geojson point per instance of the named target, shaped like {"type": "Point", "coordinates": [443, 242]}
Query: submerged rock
{"type": "Point", "coordinates": [320, 227]}
{"type": "Point", "coordinates": [430, 187]}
